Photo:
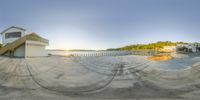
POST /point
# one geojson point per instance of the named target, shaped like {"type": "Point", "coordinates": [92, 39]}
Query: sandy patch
{"type": "Point", "coordinates": [160, 57]}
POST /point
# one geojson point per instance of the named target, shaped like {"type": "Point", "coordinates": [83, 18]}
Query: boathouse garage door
{"type": "Point", "coordinates": [35, 50]}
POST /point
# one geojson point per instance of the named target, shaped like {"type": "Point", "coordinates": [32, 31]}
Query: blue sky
{"type": "Point", "coordinates": [101, 24]}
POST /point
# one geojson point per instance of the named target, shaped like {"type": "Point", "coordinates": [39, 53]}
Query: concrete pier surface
{"type": "Point", "coordinates": [99, 78]}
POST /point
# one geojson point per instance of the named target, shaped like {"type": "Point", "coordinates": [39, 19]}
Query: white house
{"type": "Point", "coordinates": [191, 47]}
{"type": "Point", "coordinates": [17, 43]}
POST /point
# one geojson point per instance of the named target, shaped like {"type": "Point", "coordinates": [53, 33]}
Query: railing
{"type": "Point", "coordinates": [100, 53]}
{"type": "Point", "coordinates": [115, 53]}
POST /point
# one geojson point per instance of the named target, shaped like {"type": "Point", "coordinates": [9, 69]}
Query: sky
{"type": "Point", "coordinates": [102, 24]}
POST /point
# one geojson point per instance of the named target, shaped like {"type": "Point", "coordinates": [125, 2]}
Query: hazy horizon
{"type": "Point", "coordinates": [103, 24]}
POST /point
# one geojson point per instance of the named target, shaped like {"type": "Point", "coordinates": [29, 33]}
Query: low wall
{"type": "Point", "coordinates": [102, 53]}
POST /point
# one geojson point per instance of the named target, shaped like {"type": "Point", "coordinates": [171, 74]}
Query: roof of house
{"type": "Point", "coordinates": [12, 27]}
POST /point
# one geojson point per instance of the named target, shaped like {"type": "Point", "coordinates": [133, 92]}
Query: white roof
{"type": "Point", "coordinates": [12, 27]}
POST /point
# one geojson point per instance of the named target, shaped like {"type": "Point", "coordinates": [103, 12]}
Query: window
{"type": "Point", "coordinates": [13, 35]}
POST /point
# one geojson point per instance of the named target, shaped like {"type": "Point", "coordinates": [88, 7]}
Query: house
{"type": "Point", "coordinates": [17, 43]}
{"type": "Point", "coordinates": [191, 47]}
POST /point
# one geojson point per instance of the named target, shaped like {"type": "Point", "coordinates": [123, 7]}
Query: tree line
{"type": "Point", "coordinates": [151, 46]}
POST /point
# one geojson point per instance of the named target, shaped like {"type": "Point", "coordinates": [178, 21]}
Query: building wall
{"type": "Point", "coordinates": [9, 40]}
{"type": "Point", "coordinates": [20, 51]}
{"type": "Point", "coordinates": [34, 50]}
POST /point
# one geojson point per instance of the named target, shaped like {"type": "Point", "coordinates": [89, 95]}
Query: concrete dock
{"type": "Point", "coordinates": [96, 78]}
